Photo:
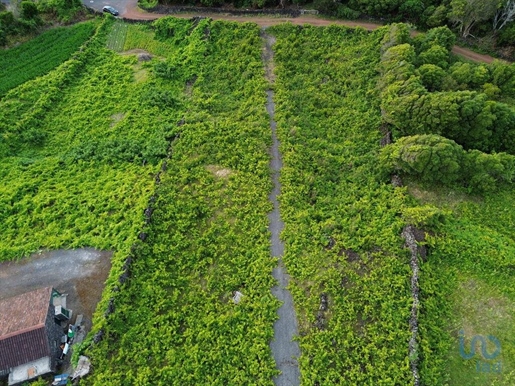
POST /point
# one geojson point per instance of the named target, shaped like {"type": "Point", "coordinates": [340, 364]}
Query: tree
{"type": "Point", "coordinates": [441, 36]}
{"type": "Point", "coordinates": [432, 76]}
{"type": "Point", "coordinates": [466, 13]}
{"type": "Point", "coordinates": [437, 55]}
{"type": "Point", "coordinates": [29, 10]}
{"type": "Point", "coordinates": [397, 34]}
{"type": "Point", "coordinates": [431, 158]}
{"type": "Point", "coordinates": [484, 172]}
{"type": "Point", "coordinates": [504, 15]}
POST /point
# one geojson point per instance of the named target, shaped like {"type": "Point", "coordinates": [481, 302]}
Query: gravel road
{"type": "Point", "coordinates": [284, 349]}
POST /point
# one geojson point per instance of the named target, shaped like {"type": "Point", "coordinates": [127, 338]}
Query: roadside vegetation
{"type": "Point", "coordinates": [486, 25]}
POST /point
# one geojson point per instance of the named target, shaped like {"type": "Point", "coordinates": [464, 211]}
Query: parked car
{"type": "Point", "coordinates": [110, 10]}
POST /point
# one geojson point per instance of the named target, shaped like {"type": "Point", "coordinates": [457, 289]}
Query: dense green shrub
{"type": "Point", "coordinates": [413, 103]}
{"type": "Point", "coordinates": [441, 36]}
{"type": "Point", "coordinates": [432, 77]}
{"type": "Point", "coordinates": [435, 159]}
{"type": "Point", "coordinates": [431, 158]}
{"type": "Point", "coordinates": [437, 55]}
{"type": "Point", "coordinates": [29, 10]}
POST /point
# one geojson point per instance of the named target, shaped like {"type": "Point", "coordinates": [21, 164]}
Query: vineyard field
{"type": "Point", "coordinates": [153, 141]}
{"type": "Point", "coordinates": [208, 235]}
{"type": "Point", "coordinates": [342, 223]}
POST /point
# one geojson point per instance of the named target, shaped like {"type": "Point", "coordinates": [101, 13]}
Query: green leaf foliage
{"type": "Point", "coordinates": [430, 157]}
{"type": "Point", "coordinates": [175, 321]}
{"type": "Point", "coordinates": [40, 55]}
{"type": "Point", "coordinates": [342, 223]}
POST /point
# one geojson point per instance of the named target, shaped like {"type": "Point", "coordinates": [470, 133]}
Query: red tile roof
{"type": "Point", "coordinates": [23, 348]}
{"type": "Point", "coordinates": [22, 328]}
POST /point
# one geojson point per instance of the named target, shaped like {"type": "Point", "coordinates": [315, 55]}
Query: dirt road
{"type": "Point", "coordinates": [131, 11]}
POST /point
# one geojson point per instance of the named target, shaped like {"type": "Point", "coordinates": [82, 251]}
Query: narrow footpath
{"type": "Point", "coordinates": [284, 349]}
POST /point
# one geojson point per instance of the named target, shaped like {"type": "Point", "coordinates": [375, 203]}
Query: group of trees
{"type": "Point", "coordinates": [445, 106]}
{"type": "Point", "coordinates": [436, 159]}
{"type": "Point", "coordinates": [475, 18]}
{"type": "Point", "coordinates": [27, 15]}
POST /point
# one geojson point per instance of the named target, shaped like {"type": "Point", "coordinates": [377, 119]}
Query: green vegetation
{"type": "Point", "coordinates": [141, 36]}
{"type": "Point", "coordinates": [467, 281]}
{"type": "Point", "coordinates": [467, 285]}
{"type": "Point", "coordinates": [342, 223]}
{"type": "Point", "coordinates": [41, 54]}
{"type": "Point", "coordinates": [166, 163]}
{"type": "Point", "coordinates": [116, 38]}
{"type": "Point", "coordinates": [51, 197]}
{"type": "Point", "coordinates": [174, 320]}
{"type": "Point", "coordinates": [458, 101]}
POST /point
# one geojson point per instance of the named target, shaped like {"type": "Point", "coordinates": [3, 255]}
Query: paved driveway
{"type": "Point", "coordinates": [119, 5]}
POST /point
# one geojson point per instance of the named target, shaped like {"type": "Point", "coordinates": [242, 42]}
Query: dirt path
{"type": "Point", "coordinates": [284, 349]}
{"type": "Point", "coordinates": [133, 12]}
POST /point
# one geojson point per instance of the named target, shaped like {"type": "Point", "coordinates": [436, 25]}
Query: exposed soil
{"type": "Point", "coordinates": [80, 273]}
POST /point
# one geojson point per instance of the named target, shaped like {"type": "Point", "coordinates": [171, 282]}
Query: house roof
{"type": "Point", "coordinates": [22, 328]}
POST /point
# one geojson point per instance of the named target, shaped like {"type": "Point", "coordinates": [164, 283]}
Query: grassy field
{"type": "Point", "coordinates": [468, 287]}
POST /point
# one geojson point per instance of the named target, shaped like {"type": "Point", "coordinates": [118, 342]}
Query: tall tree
{"type": "Point", "coordinates": [466, 13]}
{"type": "Point", "coordinates": [504, 15]}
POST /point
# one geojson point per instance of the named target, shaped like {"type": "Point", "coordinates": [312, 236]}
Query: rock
{"type": "Point", "coordinates": [98, 336]}
{"type": "Point", "coordinates": [396, 181]}
{"type": "Point", "coordinates": [144, 57]}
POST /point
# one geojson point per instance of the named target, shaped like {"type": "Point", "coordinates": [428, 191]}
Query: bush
{"type": "Point", "coordinates": [436, 16]}
{"type": "Point", "coordinates": [485, 172]}
{"type": "Point", "coordinates": [431, 158]}
{"type": "Point", "coordinates": [344, 12]}
{"type": "Point", "coordinates": [441, 36]}
{"type": "Point", "coordinates": [437, 55]}
{"type": "Point", "coordinates": [29, 10]}
{"type": "Point", "coordinates": [397, 34]}
{"type": "Point", "coordinates": [326, 7]}
{"type": "Point", "coordinates": [506, 36]}
{"type": "Point", "coordinates": [425, 217]}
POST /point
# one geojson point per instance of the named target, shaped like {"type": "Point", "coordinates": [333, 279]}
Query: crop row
{"type": "Point", "coordinates": [51, 197]}
{"type": "Point", "coordinates": [42, 54]}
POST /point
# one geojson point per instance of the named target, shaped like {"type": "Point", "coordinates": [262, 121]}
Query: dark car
{"type": "Point", "coordinates": [110, 10]}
